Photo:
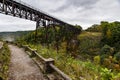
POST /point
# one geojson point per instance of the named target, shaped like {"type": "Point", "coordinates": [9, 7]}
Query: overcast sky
{"type": "Point", "coordinates": [81, 12]}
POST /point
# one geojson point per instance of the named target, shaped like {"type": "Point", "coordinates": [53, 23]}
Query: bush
{"type": "Point", "coordinates": [4, 62]}
{"type": "Point", "coordinates": [111, 34]}
{"type": "Point", "coordinates": [107, 62]}
{"type": "Point", "coordinates": [116, 67]}
{"type": "Point", "coordinates": [106, 74]}
{"type": "Point", "coordinates": [95, 28]}
{"type": "Point", "coordinates": [97, 59]}
{"type": "Point", "coordinates": [117, 56]}
{"type": "Point", "coordinates": [106, 49]}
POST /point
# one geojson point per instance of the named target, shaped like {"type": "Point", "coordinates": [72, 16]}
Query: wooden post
{"type": "Point", "coordinates": [47, 68]}
{"type": "Point", "coordinates": [33, 53]}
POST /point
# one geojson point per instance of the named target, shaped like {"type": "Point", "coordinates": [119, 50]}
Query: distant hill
{"type": "Point", "coordinates": [11, 36]}
{"type": "Point", "coordinates": [94, 28]}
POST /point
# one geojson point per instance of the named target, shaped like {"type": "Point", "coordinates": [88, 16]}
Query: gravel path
{"type": "Point", "coordinates": [22, 67]}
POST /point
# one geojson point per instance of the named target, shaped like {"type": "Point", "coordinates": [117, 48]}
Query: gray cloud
{"type": "Point", "coordinates": [9, 23]}
{"type": "Point", "coordinates": [118, 0]}
{"type": "Point", "coordinates": [102, 10]}
{"type": "Point", "coordinates": [87, 4]}
{"type": "Point", "coordinates": [79, 3]}
{"type": "Point", "coordinates": [82, 12]}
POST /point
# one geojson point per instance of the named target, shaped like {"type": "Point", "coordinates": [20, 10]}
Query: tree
{"type": "Point", "coordinates": [94, 28]}
{"type": "Point", "coordinates": [111, 34]}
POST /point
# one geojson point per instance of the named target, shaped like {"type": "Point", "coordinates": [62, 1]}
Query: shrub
{"type": "Point", "coordinates": [116, 66]}
{"type": "Point", "coordinates": [111, 58]}
{"type": "Point", "coordinates": [116, 77]}
{"type": "Point", "coordinates": [4, 62]}
{"type": "Point", "coordinates": [106, 62]}
{"type": "Point", "coordinates": [102, 57]}
{"type": "Point", "coordinates": [117, 56]}
{"type": "Point", "coordinates": [106, 74]}
{"type": "Point", "coordinates": [111, 33]}
{"type": "Point", "coordinates": [97, 59]}
{"type": "Point", "coordinates": [106, 49]}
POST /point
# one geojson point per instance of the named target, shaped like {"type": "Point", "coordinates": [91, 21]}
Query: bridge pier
{"type": "Point", "coordinates": [36, 31]}
{"type": "Point", "coordinates": [46, 33]}
{"type": "Point", "coordinates": [42, 23]}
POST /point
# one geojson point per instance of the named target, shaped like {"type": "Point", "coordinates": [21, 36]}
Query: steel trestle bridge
{"type": "Point", "coordinates": [21, 10]}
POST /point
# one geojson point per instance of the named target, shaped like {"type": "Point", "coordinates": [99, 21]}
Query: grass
{"type": "Point", "coordinates": [75, 68]}
{"type": "Point", "coordinates": [89, 44]}
{"type": "Point", "coordinates": [89, 34]}
{"type": "Point", "coordinates": [4, 62]}
{"type": "Point", "coordinates": [79, 69]}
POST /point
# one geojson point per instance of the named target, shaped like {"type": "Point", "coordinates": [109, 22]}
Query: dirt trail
{"type": "Point", "coordinates": [22, 67]}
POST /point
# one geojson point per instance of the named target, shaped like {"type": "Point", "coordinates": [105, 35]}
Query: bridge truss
{"type": "Point", "coordinates": [16, 9]}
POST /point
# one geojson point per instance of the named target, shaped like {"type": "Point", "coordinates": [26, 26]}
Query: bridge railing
{"type": "Point", "coordinates": [46, 65]}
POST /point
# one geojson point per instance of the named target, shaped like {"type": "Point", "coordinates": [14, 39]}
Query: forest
{"type": "Point", "coordinates": [91, 54]}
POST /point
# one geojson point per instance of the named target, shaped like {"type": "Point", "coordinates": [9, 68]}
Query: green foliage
{"type": "Point", "coordinates": [106, 74]}
{"type": "Point", "coordinates": [111, 37]}
{"type": "Point", "coordinates": [111, 33]}
{"type": "Point", "coordinates": [4, 62]}
{"type": "Point", "coordinates": [55, 37]}
{"type": "Point", "coordinates": [75, 68]}
{"type": "Point", "coordinates": [97, 59]}
{"type": "Point", "coordinates": [117, 56]}
{"type": "Point", "coordinates": [94, 28]}
{"type": "Point", "coordinates": [116, 77]}
{"type": "Point", "coordinates": [89, 44]}
{"type": "Point", "coordinates": [107, 50]}
{"type": "Point", "coordinates": [56, 34]}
